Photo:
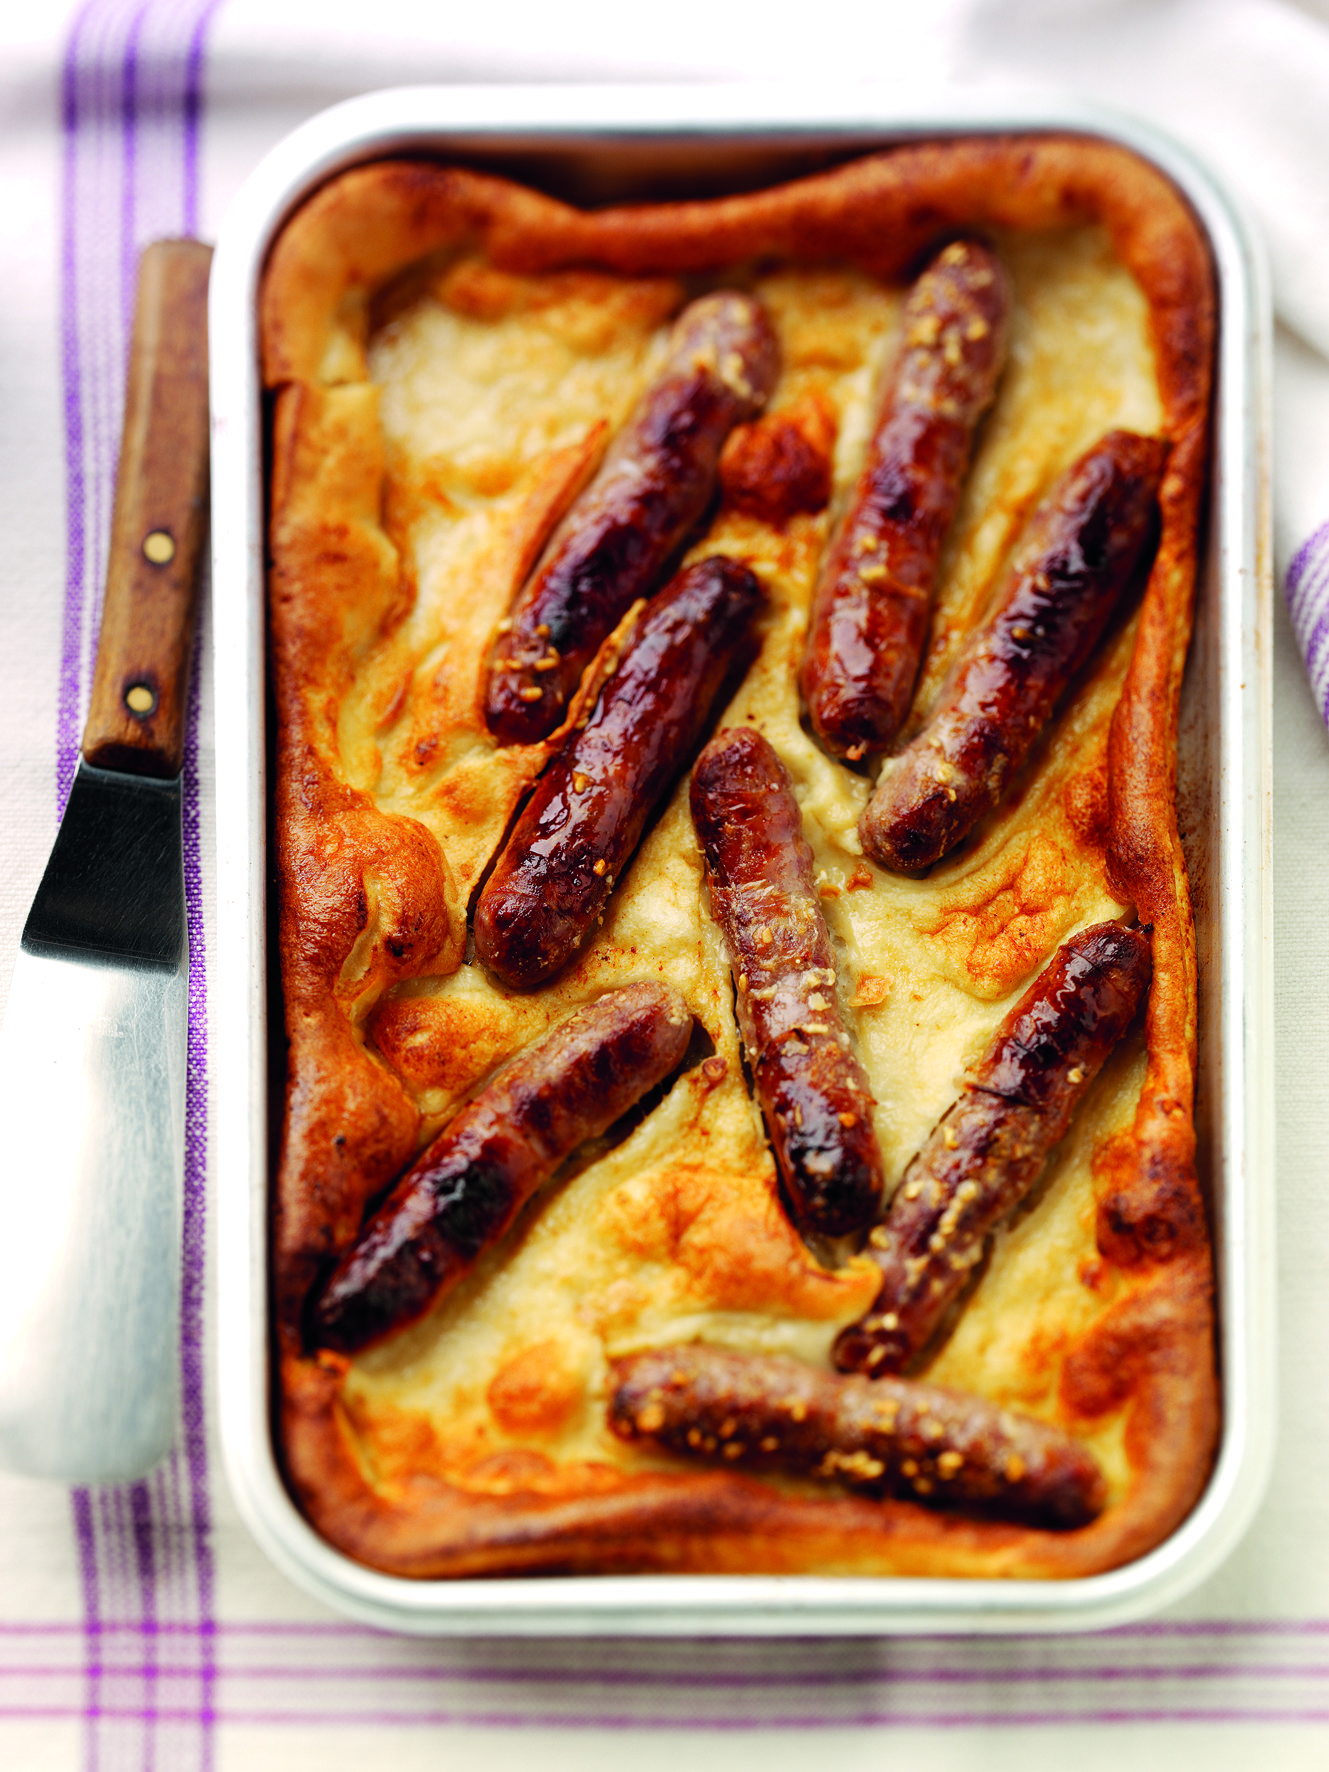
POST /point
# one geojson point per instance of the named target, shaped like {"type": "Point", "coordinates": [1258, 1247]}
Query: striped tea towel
{"type": "Point", "coordinates": [139, 1626]}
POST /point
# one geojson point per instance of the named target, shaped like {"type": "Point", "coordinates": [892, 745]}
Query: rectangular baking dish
{"type": "Point", "coordinates": [605, 144]}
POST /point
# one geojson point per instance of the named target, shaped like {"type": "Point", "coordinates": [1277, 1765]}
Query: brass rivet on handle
{"type": "Point", "coordinates": [140, 699]}
{"type": "Point", "coordinates": [159, 547]}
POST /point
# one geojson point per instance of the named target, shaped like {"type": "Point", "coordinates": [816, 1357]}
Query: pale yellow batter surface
{"type": "Point", "coordinates": [493, 391]}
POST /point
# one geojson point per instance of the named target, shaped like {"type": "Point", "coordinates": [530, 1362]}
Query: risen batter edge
{"type": "Point", "coordinates": [374, 895]}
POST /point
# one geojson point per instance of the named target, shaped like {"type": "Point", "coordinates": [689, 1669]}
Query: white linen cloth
{"type": "Point", "coordinates": [140, 1627]}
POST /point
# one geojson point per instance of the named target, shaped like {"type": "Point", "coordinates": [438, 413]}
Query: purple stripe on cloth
{"type": "Point", "coordinates": [1315, 650]}
{"type": "Point", "coordinates": [85, 1539]}
{"type": "Point", "coordinates": [94, 169]}
{"type": "Point", "coordinates": [1306, 591]}
{"type": "Point", "coordinates": [870, 1719]}
{"type": "Point", "coordinates": [156, 1670]}
{"type": "Point", "coordinates": [193, 111]}
{"type": "Point", "coordinates": [131, 110]}
{"type": "Point", "coordinates": [142, 1524]}
{"type": "Point", "coordinates": [615, 1721]}
{"type": "Point", "coordinates": [1305, 594]}
{"type": "Point", "coordinates": [1297, 571]}
{"type": "Point", "coordinates": [150, 1695]}
{"type": "Point", "coordinates": [67, 703]}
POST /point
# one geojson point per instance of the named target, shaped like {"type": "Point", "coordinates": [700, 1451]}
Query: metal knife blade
{"type": "Point", "coordinates": [93, 1045]}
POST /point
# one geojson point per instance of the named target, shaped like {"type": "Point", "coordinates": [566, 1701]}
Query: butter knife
{"type": "Point", "coordinates": [93, 1045]}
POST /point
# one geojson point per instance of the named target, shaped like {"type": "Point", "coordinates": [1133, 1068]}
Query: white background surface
{"type": "Point", "coordinates": [1249, 84]}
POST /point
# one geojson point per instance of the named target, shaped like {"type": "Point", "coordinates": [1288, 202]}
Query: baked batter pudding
{"type": "Point", "coordinates": [736, 955]}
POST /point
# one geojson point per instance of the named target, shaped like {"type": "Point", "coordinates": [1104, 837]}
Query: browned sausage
{"type": "Point", "coordinates": [874, 592]}
{"type": "Point", "coordinates": [616, 542]}
{"type": "Point", "coordinates": [889, 1436]}
{"type": "Point", "coordinates": [578, 831]}
{"type": "Point", "coordinates": [1079, 554]}
{"type": "Point", "coordinates": [990, 1146]}
{"type": "Point", "coordinates": [811, 1088]}
{"type": "Point", "coordinates": [463, 1192]}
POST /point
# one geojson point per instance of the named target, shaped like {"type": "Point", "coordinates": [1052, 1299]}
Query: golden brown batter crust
{"type": "Point", "coordinates": [391, 799]}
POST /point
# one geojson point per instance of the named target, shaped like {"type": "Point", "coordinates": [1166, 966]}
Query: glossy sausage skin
{"type": "Point", "coordinates": [582, 824]}
{"type": "Point", "coordinates": [811, 1088]}
{"type": "Point", "coordinates": [873, 598]}
{"type": "Point", "coordinates": [888, 1436]}
{"type": "Point", "coordinates": [990, 1146]}
{"type": "Point", "coordinates": [464, 1191]}
{"type": "Point", "coordinates": [1079, 555]}
{"type": "Point", "coordinates": [616, 543]}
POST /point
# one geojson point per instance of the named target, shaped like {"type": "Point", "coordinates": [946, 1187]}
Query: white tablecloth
{"type": "Point", "coordinates": [140, 1627]}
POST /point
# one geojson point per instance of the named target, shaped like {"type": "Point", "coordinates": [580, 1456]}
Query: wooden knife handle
{"type": "Point", "coordinates": [136, 718]}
